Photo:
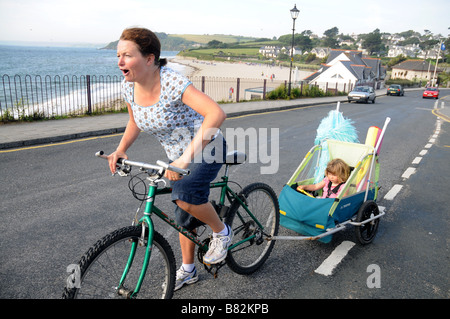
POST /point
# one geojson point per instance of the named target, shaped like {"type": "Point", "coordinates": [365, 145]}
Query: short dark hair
{"type": "Point", "coordinates": [147, 42]}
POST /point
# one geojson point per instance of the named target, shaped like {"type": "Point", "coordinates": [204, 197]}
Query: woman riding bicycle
{"type": "Point", "coordinates": [165, 104]}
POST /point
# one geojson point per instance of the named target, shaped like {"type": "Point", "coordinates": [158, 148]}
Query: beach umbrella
{"type": "Point", "coordinates": [335, 127]}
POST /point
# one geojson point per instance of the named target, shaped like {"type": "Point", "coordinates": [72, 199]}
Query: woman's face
{"type": "Point", "coordinates": [131, 62]}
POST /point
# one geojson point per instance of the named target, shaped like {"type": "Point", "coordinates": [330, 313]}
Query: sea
{"type": "Point", "coordinates": [42, 61]}
{"type": "Point", "coordinates": [25, 68]}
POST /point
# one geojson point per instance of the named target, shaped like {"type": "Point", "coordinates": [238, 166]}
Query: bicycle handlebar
{"type": "Point", "coordinates": [160, 164]}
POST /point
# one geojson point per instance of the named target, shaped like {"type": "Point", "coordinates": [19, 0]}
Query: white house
{"type": "Point", "coordinates": [414, 70]}
{"type": "Point", "coordinates": [270, 51]}
{"type": "Point", "coordinates": [321, 52]}
{"type": "Point", "coordinates": [409, 50]}
{"type": "Point", "coordinates": [339, 75]}
{"type": "Point", "coordinates": [429, 54]}
{"type": "Point", "coordinates": [296, 51]}
{"type": "Point", "coordinates": [345, 69]}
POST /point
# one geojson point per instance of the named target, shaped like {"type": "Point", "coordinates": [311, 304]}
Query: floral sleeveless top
{"type": "Point", "coordinates": [172, 122]}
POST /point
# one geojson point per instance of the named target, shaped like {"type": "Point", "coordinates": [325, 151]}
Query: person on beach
{"type": "Point", "coordinates": [336, 174]}
{"type": "Point", "coordinates": [165, 104]}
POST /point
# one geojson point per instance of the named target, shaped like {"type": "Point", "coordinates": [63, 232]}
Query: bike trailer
{"type": "Point", "coordinates": [317, 218]}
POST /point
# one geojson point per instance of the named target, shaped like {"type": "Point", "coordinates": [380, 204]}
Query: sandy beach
{"type": "Point", "coordinates": [221, 78]}
{"type": "Point", "coordinates": [197, 68]}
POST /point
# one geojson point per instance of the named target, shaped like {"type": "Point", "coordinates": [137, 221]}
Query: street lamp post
{"type": "Point", "coordinates": [294, 15]}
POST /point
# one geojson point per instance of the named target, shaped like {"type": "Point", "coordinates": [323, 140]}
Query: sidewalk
{"type": "Point", "coordinates": [16, 135]}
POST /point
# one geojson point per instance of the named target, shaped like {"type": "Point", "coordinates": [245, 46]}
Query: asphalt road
{"type": "Point", "coordinates": [55, 200]}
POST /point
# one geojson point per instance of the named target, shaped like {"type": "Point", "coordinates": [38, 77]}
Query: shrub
{"type": "Point", "coordinates": [313, 91]}
{"type": "Point", "coordinates": [280, 92]}
{"type": "Point", "coordinates": [402, 82]}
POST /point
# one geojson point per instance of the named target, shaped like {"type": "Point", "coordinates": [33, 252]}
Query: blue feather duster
{"type": "Point", "coordinates": [334, 127]}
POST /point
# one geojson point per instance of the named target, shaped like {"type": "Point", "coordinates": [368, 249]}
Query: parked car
{"type": "Point", "coordinates": [362, 94]}
{"type": "Point", "coordinates": [431, 92]}
{"type": "Point", "coordinates": [395, 89]}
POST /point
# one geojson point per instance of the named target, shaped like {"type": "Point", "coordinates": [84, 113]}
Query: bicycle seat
{"type": "Point", "coordinates": [235, 158]}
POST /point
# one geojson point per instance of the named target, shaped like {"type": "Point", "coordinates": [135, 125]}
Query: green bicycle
{"type": "Point", "coordinates": [137, 261]}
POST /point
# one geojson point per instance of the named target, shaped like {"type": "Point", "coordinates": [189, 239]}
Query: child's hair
{"type": "Point", "coordinates": [339, 168]}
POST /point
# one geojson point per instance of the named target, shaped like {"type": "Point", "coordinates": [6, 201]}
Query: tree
{"type": "Point", "coordinates": [307, 33]}
{"type": "Point", "coordinates": [303, 42]}
{"type": "Point", "coordinates": [331, 33]}
{"type": "Point", "coordinates": [216, 44]}
{"type": "Point", "coordinates": [330, 39]}
{"type": "Point", "coordinates": [398, 59]}
{"type": "Point", "coordinates": [372, 42]}
{"type": "Point", "coordinates": [409, 34]}
{"type": "Point", "coordinates": [300, 40]}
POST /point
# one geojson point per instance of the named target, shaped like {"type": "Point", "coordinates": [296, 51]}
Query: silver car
{"type": "Point", "coordinates": [362, 94]}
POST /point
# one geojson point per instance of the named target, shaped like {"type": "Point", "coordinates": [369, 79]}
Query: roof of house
{"type": "Point", "coordinates": [353, 55]}
{"type": "Point", "coordinates": [317, 73]}
{"type": "Point", "coordinates": [361, 68]}
{"type": "Point", "coordinates": [414, 65]}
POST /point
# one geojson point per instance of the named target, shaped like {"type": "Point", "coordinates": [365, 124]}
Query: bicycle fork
{"type": "Point", "coordinates": [145, 223]}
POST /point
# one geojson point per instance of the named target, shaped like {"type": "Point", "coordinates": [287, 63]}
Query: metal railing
{"type": "Point", "coordinates": [49, 97]}
{"type": "Point", "coordinates": [234, 89]}
{"type": "Point", "coordinates": [44, 97]}
{"type": "Point", "coordinates": [39, 97]}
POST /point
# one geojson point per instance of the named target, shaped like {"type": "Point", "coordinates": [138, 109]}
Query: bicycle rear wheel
{"type": "Point", "coordinates": [366, 233]}
{"type": "Point", "coordinates": [102, 266]}
{"type": "Point", "coordinates": [262, 202]}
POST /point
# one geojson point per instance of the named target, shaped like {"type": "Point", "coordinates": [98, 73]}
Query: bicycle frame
{"type": "Point", "coordinates": [146, 221]}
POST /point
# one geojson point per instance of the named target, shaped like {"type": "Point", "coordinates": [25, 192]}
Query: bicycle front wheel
{"type": "Point", "coordinates": [252, 247]}
{"type": "Point", "coordinates": [102, 267]}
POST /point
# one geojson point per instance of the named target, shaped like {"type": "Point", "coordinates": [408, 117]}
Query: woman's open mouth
{"type": "Point", "coordinates": [125, 72]}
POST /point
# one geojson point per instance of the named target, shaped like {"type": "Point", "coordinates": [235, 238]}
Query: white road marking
{"type": "Point", "coordinates": [417, 160]}
{"type": "Point", "coordinates": [409, 171]}
{"type": "Point", "coordinates": [329, 264]}
{"type": "Point", "coordinates": [393, 192]}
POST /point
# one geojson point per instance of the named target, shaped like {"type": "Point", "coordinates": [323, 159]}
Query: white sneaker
{"type": "Point", "coordinates": [218, 248]}
{"type": "Point", "coordinates": [185, 278]}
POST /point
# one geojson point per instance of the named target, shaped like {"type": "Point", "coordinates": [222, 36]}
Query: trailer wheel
{"type": "Point", "coordinates": [366, 232]}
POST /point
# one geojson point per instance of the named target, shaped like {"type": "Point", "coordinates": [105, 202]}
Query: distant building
{"type": "Point", "coordinates": [321, 52]}
{"type": "Point", "coordinates": [412, 50]}
{"type": "Point", "coordinates": [296, 51]}
{"type": "Point", "coordinates": [414, 70]}
{"type": "Point", "coordinates": [395, 38]}
{"type": "Point", "coordinates": [429, 54]}
{"type": "Point", "coordinates": [346, 69]}
{"type": "Point", "coordinates": [271, 51]}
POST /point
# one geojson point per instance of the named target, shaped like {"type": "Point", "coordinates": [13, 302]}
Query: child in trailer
{"type": "Point", "coordinates": [336, 174]}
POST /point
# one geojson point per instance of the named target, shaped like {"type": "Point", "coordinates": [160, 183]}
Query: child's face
{"type": "Point", "coordinates": [333, 178]}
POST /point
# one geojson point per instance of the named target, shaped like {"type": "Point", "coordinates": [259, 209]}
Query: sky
{"type": "Point", "coordinates": [102, 21]}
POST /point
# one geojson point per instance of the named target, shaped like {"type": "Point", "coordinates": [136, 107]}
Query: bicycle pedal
{"type": "Point", "coordinates": [213, 269]}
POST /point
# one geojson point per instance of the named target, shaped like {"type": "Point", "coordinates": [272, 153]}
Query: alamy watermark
{"type": "Point", "coordinates": [262, 145]}
{"type": "Point", "coordinates": [374, 279]}
{"type": "Point", "coordinates": [74, 279]}
{"type": "Point", "coordinates": [258, 146]}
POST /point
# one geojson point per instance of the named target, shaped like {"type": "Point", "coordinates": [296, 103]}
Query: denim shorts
{"type": "Point", "coordinates": [194, 188]}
